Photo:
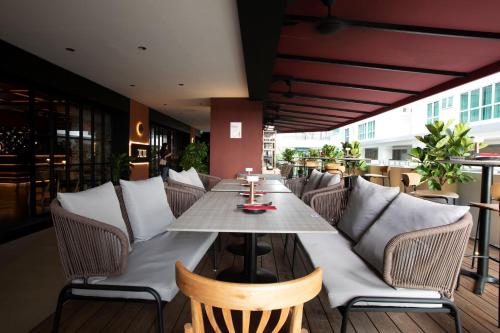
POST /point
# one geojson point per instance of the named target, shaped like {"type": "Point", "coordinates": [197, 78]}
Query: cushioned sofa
{"type": "Point", "coordinates": [393, 252]}
{"type": "Point", "coordinates": [317, 182]}
{"type": "Point", "coordinates": [101, 260]}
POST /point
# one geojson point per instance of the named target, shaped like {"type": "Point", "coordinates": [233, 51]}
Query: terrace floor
{"type": "Point", "coordinates": [478, 313]}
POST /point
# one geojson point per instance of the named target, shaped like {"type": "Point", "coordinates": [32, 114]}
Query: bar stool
{"type": "Point", "coordinates": [412, 179]}
{"type": "Point", "coordinates": [495, 195]}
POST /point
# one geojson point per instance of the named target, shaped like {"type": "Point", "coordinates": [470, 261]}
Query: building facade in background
{"type": "Point", "coordinates": [389, 137]}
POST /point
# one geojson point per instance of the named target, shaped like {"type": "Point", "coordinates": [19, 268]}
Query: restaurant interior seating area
{"type": "Point", "coordinates": [143, 188]}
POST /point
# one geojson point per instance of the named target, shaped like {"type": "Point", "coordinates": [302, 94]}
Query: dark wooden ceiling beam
{"type": "Point", "coordinates": [311, 113]}
{"type": "Point", "coordinates": [403, 28]}
{"type": "Point", "coordinates": [345, 85]}
{"type": "Point", "coordinates": [335, 99]}
{"type": "Point", "coordinates": [360, 64]}
{"type": "Point", "coordinates": [301, 123]}
{"type": "Point", "coordinates": [281, 115]}
{"type": "Point", "coordinates": [307, 120]}
{"type": "Point", "coordinates": [320, 107]}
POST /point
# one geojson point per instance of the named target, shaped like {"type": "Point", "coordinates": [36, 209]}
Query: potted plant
{"type": "Point", "coordinates": [441, 144]}
{"type": "Point", "coordinates": [195, 155]}
{"type": "Point", "coordinates": [288, 155]}
{"type": "Point", "coordinates": [353, 150]}
{"type": "Point", "coordinates": [312, 158]}
{"type": "Point", "coordinates": [331, 153]}
{"type": "Point", "coordinates": [120, 167]}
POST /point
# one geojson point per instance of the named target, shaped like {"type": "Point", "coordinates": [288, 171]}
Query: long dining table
{"type": "Point", "coordinates": [217, 211]}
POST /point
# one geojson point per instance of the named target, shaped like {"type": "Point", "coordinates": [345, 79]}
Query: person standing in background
{"type": "Point", "coordinates": [163, 164]}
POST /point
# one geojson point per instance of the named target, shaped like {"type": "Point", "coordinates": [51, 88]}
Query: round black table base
{"type": "Point", "coordinates": [480, 280]}
{"type": "Point", "coordinates": [239, 276]}
{"type": "Point", "coordinates": [239, 249]}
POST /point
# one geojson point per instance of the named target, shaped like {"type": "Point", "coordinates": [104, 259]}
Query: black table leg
{"type": "Point", "coordinates": [250, 273]}
{"type": "Point", "coordinates": [482, 274]}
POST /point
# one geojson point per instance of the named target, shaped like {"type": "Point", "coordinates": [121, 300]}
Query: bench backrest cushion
{"type": "Point", "coordinates": [99, 203]}
{"type": "Point", "coordinates": [405, 214]}
{"type": "Point", "coordinates": [313, 181]}
{"type": "Point", "coordinates": [192, 174]}
{"type": "Point", "coordinates": [366, 202]}
{"type": "Point", "coordinates": [329, 179]}
{"type": "Point", "coordinates": [147, 207]}
{"type": "Point", "coordinates": [179, 177]}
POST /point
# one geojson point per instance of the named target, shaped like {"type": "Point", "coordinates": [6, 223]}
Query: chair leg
{"type": "Point", "coordinates": [475, 245]}
{"type": "Point", "coordinates": [456, 317]}
{"type": "Point", "coordinates": [345, 320]}
{"type": "Point", "coordinates": [159, 316]}
{"type": "Point", "coordinates": [63, 296]}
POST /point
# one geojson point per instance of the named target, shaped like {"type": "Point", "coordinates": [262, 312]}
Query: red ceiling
{"type": "Point", "coordinates": [373, 46]}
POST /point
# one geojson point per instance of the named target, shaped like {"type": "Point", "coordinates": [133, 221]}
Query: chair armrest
{"type": "Point", "coordinates": [179, 199]}
{"type": "Point", "coordinates": [88, 248]}
{"type": "Point", "coordinates": [296, 185]}
{"type": "Point", "coordinates": [197, 191]}
{"type": "Point", "coordinates": [306, 197]}
{"type": "Point", "coordinates": [330, 205]}
{"type": "Point", "coordinates": [428, 259]}
{"type": "Point", "coordinates": [209, 181]}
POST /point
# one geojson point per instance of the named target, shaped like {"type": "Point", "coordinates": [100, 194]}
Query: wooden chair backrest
{"type": "Point", "coordinates": [495, 191]}
{"type": "Point", "coordinates": [410, 179]}
{"type": "Point", "coordinates": [289, 297]}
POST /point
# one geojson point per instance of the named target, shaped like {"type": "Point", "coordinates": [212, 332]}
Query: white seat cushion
{"type": "Point", "coordinates": [147, 207]}
{"type": "Point", "coordinates": [180, 177]}
{"type": "Point", "coordinates": [345, 275]}
{"type": "Point", "coordinates": [99, 203]}
{"type": "Point", "coordinates": [194, 177]}
{"type": "Point", "coordinates": [152, 264]}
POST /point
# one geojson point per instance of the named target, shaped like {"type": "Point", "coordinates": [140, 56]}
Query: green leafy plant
{"type": "Point", "coordinates": [313, 153]}
{"type": "Point", "coordinates": [288, 155]}
{"type": "Point", "coordinates": [195, 155]}
{"type": "Point", "coordinates": [120, 167]}
{"type": "Point", "coordinates": [331, 152]}
{"type": "Point", "coordinates": [441, 144]}
{"type": "Point", "coordinates": [353, 150]}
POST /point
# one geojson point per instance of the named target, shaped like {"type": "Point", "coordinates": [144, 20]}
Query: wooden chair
{"type": "Point", "coordinates": [412, 179]}
{"type": "Point", "coordinates": [495, 195]}
{"type": "Point", "coordinates": [384, 174]}
{"type": "Point", "coordinates": [288, 297]}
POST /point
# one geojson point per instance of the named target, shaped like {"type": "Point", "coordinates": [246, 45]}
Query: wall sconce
{"type": "Point", "coordinates": [139, 128]}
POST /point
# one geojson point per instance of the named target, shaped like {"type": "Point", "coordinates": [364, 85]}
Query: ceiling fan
{"type": "Point", "coordinates": [330, 24]}
{"type": "Point", "coordinates": [325, 26]}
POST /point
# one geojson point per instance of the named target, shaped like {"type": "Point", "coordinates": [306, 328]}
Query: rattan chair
{"type": "Point", "coordinates": [208, 182]}
{"type": "Point", "coordinates": [287, 298]}
{"type": "Point", "coordinates": [90, 249]}
{"type": "Point", "coordinates": [428, 259]}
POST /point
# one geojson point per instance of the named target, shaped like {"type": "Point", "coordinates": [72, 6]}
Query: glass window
{"type": "Point", "coordinates": [496, 111]}
{"type": "Point", "coordinates": [346, 135]}
{"type": "Point", "coordinates": [432, 112]}
{"type": "Point", "coordinates": [486, 102]}
{"type": "Point", "coordinates": [444, 103]}
{"type": "Point", "coordinates": [474, 105]}
{"type": "Point", "coordinates": [371, 129]}
{"type": "Point", "coordinates": [496, 107]}
{"type": "Point", "coordinates": [450, 101]}
{"type": "Point", "coordinates": [464, 107]}
{"type": "Point", "coordinates": [362, 132]}
{"type": "Point", "coordinates": [371, 153]}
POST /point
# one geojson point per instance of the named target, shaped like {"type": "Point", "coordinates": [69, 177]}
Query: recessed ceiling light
{"type": "Point", "coordinates": [70, 49]}
{"type": "Point", "coordinates": [142, 48]}
{"type": "Point", "coordinates": [180, 84]}
{"type": "Point", "coordinates": [132, 85]}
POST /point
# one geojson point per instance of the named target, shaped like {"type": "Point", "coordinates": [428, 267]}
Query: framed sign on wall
{"type": "Point", "coordinates": [139, 152]}
{"type": "Point", "coordinates": [235, 130]}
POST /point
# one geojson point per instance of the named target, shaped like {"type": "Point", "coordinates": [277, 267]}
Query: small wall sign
{"type": "Point", "coordinates": [139, 152]}
{"type": "Point", "coordinates": [235, 130]}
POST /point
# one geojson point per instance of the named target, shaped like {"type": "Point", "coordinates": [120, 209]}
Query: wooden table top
{"type": "Point", "coordinates": [267, 185]}
{"type": "Point", "coordinates": [435, 194]}
{"type": "Point", "coordinates": [473, 162]}
{"type": "Point", "coordinates": [217, 212]}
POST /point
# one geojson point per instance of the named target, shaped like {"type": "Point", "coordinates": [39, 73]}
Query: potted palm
{"type": "Point", "coordinates": [353, 150]}
{"type": "Point", "coordinates": [441, 144]}
{"type": "Point", "coordinates": [120, 167]}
